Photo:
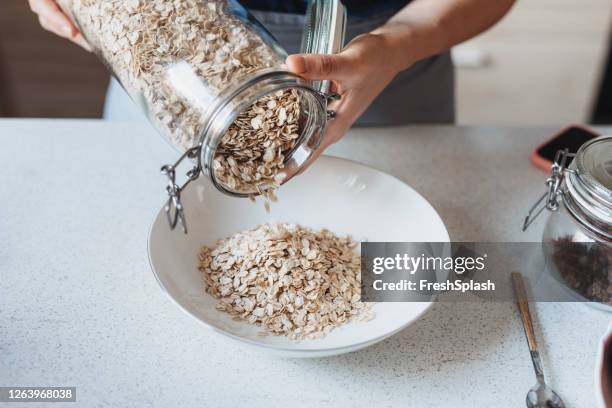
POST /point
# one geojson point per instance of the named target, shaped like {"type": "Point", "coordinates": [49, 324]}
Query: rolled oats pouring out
{"type": "Point", "coordinates": [287, 279]}
{"type": "Point", "coordinates": [176, 58]}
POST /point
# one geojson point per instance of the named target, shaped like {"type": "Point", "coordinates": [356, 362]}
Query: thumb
{"type": "Point", "coordinates": [318, 66]}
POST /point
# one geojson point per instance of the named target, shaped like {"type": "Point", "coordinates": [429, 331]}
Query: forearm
{"type": "Point", "coordinates": [427, 27]}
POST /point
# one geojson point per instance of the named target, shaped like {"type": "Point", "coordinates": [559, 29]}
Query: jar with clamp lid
{"type": "Point", "coordinates": [212, 80]}
{"type": "Point", "coordinates": [578, 232]}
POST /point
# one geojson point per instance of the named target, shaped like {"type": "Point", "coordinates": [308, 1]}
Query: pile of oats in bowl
{"type": "Point", "coordinates": [289, 280]}
{"type": "Point", "coordinates": [162, 50]}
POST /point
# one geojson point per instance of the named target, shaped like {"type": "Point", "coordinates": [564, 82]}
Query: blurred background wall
{"type": "Point", "coordinates": [545, 63]}
{"type": "Point", "coordinates": [42, 75]}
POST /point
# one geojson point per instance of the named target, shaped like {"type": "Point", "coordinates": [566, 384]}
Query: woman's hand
{"type": "Point", "coordinates": [368, 63]}
{"type": "Point", "coordinates": [52, 18]}
{"type": "Point", "coordinates": [358, 74]}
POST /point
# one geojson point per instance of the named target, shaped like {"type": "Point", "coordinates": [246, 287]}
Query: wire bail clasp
{"type": "Point", "coordinates": [549, 200]}
{"type": "Point", "coordinates": [329, 97]}
{"type": "Point", "coordinates": [174, 207]}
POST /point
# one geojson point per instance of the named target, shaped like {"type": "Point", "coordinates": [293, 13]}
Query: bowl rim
{"type": "Point", "coordinates": [331, 350]}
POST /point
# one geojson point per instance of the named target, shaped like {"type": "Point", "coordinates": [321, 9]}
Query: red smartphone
{"type": "Point", "coordinates": [570, 138]}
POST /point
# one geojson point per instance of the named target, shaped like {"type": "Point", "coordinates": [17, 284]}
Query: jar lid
{"type": "Point", "coordinates": [589, 186]}
{"type": "Point", "coordinates": [324, 30]}
{"type": "Point", "coordinates": [594, 165]}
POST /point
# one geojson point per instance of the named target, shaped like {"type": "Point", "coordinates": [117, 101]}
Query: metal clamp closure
{"type": "Point", "coordinates": [329, 97]}
{"type": "Point", "coordinates": [174, 207]}
{"type": "Point", "coordinates": [549, 200]}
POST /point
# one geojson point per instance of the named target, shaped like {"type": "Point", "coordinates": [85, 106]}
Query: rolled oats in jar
{"type": "Point", "coordinates": [211, 80]}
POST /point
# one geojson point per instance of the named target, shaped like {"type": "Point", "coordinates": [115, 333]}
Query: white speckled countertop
{"type": "Point", "coordinates": [80, 307]}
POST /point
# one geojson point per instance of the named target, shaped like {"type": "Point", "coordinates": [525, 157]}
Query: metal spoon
{"type": "Point", "coordinates": [540, 395]}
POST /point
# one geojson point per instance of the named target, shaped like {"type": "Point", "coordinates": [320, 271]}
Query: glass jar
{"type": "Point", "coordinates": [577, 237]}
{"type": "Point", "coordinates": [212, 80]}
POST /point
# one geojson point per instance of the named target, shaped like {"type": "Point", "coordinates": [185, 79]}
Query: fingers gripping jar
{"type": "Point", "coordinates": [578, 233]}
{"type": "Point", "coordinates": [212, 80]}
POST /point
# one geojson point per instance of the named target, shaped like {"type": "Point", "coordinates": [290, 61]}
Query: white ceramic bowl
{"type": "Point", "coordinates": [340, 195]}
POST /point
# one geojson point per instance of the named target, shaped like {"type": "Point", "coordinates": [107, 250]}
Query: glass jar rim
{"type": "Point", "coordinates": [224, 114]}
{"type": "Point", "coordinates": [586, 195]}
{"type": "Point", "coordinates": [593, 163]}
